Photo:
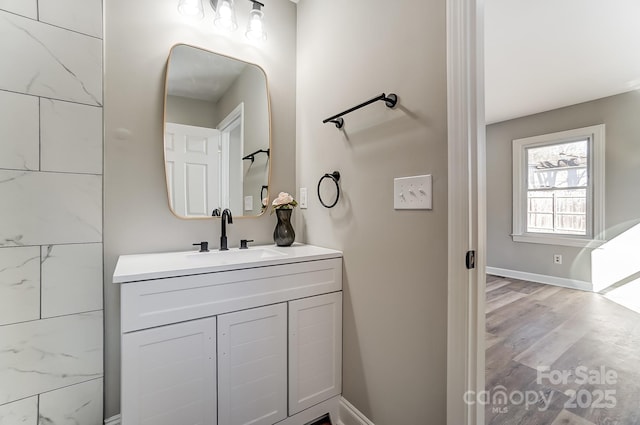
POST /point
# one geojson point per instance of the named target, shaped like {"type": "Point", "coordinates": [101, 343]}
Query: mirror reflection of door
{"type": "Point", "coordinates": [192, 157]}
{"type": "Point", "coordinates": [231, 152]}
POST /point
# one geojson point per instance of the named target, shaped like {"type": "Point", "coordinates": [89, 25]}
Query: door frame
{"type": "Point", "coordinates": [467, 210]}
{"type": "Point", "coordinates": [230, 122]}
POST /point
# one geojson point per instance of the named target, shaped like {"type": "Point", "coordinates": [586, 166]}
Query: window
{"type": "Point", "coordinates": [558, 187]}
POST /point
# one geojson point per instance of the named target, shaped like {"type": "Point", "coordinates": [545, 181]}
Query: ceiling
{"type": "Point", "coordinates": [546, 54]}
{"type": "Point", "coordinates": [199, 74]}
{"type": "Point", "coordinates": [539, 55]}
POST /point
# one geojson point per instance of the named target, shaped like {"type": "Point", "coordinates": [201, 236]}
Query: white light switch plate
{"type": "Point", "coordinates": [248, 203]}
{"type": "Point", "coordinates": [412, 193]}
{"type": "Point", "coordinates": [303, 197]}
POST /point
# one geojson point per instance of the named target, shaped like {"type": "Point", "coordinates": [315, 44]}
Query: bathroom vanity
{"type": "Point", "coordinates": [234, 337]}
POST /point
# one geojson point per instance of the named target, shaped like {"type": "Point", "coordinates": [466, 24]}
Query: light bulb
{"type": "Point", "coordinates": [226, 16]}
{"type": "Point", "coordinates": [255, 27]}
{"type": "Point", "coordinates": [191, 8]}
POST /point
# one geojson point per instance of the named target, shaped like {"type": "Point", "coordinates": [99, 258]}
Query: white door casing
{"type": "Point", "coordinates": [232, 150]}
{"type": "Point", "coordinates": [192, 161]}
{"type": "Point", "coordinates": [467, 210]}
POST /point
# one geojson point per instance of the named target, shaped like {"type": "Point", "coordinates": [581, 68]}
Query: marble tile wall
{"type": "Point", "coordinates": [76, 405]}
{"type": "Point", "coordinates": [71, 269]}
{"type": "Point", "coordinates": [23, 412]}
{"type": "Point", "coordinates": [28, 8]}
{"type": "Point", "coordinates": [51, 308]}
{"type": "Point", "coordinates": [43, 355]}
{"type": "Point", "coordinates": [19, 132]}
{"type": "Point", "coordinates": [70, 127]}
{"type": "Point", "coordinates": [19, 284]}
{"type": "Point", "coordinates": [51, 62]}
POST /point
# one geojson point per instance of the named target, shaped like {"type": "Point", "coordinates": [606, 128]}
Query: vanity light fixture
{"type": "Point", "coordinates": [255, 27]}
{"type": "Point", "coordinates": [225, 17]}
{"type": "Point", "coordinates": [191, 8]}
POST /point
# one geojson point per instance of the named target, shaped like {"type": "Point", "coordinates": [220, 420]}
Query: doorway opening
{"type": "Point", "coordinates": [562, 322]}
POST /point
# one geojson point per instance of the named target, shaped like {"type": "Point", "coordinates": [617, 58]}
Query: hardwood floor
{"type": "Point", "coordinates": [530, 326]}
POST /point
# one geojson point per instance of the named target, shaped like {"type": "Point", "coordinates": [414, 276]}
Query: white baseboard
{"type": "Point", "coordinates": [314, 412]}
{"type": "Point", "coordinates": [349, 415]}
{"type": "Point", "coordinates": [114, 420]}
{"type": "Point", "coordinates": [542, 278]}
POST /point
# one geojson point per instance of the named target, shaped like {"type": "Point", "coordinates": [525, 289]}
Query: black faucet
{"type": "Point", "coordinates": [226, 218]}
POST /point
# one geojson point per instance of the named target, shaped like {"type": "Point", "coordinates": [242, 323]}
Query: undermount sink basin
{"type": "Point", "coordinates": [137, 267]}
{"type": "Point", "coordinates": [232, 256]}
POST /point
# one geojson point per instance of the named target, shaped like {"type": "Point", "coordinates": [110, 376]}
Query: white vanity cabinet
{"type": "Point", "coordinates": [315, 350]}
{"type": "Point", "coordinates": [169, 374]}
{"type": "Point", "coordinates": [255, 342]}
{"type": "Point", "coordinates": [252, 366]}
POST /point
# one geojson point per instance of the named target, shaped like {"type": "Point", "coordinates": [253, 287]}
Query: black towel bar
{"type": "Point", "coordinates": [252, 156]}
{"type": "Point", "coordinates": [337, 119]}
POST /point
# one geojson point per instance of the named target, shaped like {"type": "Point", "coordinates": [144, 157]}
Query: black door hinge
{"type": "Point", "coordinates": [470, 260]}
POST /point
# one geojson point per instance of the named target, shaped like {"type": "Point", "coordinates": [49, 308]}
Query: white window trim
{"type": "Point", "coordinates": [596, 134]}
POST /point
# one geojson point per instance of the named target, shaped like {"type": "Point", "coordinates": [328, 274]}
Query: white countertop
{"type": "Point", "coordinates": [137, 267]}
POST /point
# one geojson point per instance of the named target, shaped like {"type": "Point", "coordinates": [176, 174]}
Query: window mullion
{"type": "Point", "coordinates": [549, 189]}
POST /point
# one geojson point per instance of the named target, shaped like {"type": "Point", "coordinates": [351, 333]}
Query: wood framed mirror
{"type": "Point", "coordinates": [217, 134]}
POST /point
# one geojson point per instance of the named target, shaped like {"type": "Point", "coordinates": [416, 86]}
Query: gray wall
{"type": "Point", "coordinates": [395, 262]}
{"type": "Point", "coordinates": [187, 111]}
{"type": "Point", "coordinates": [51, 318]}
{"type": "Point", "coordinates": [622, 163]}
{"type": "Point", "coordinates": [250, 88]}
{"type": "Point", "coordinates": [138, 37]}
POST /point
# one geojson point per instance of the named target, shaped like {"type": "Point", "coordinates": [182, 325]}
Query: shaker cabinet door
{"type": "Point", "coordinates": [169, 375]}
{"type": "Point", "coordinates": [315, 350]}
{"type": "Point", "coordinates": [252, 366]}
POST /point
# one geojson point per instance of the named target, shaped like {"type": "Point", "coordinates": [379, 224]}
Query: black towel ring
{"type": "Point", "coordinates": [335, 176]}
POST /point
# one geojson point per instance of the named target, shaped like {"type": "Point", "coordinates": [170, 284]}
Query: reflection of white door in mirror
{"type": "Point", "coordinates": [231, 153]}
{"type": "Point", "coordinates": [192, 157]}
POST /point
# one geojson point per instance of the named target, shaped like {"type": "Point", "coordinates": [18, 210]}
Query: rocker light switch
{"type": "Point", "coordinates": [412, 193]}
